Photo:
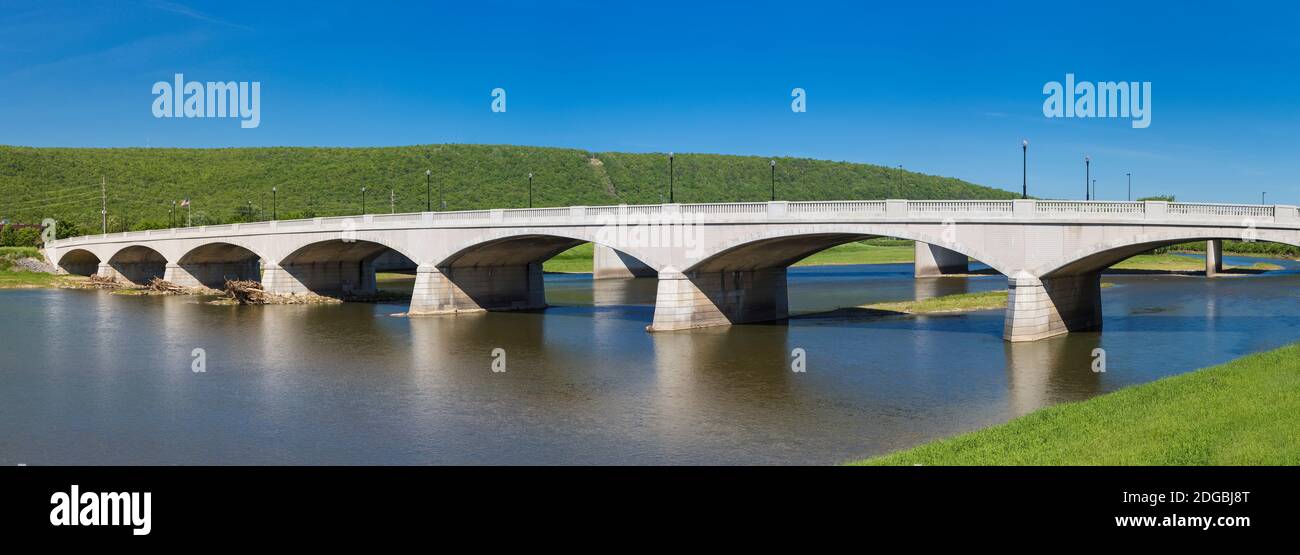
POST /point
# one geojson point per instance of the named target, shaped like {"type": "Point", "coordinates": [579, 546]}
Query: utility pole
{"type": "Point", "coordinates": [773, 164]}
{"type": "Point", "coordinates": [103, 204]}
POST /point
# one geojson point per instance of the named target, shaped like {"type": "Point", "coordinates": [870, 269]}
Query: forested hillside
{"type": "Point", "coordinates": [235, 184]}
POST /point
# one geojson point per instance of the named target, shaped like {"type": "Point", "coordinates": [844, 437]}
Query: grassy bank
{"type": "Point", "coordinates": [1243, 412]}
{"type": "Point", "coordinates": [1176, 263]}
{"type": "Point", "coordinates": [948, 303]}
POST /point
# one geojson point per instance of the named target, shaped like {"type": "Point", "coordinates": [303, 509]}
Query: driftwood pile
{"type": "Point", "coordinates": [248, 292]}
{"type": "Point", "coordinates": [159, 285]}
{"type": "Point", "coordinates": [100, 282]}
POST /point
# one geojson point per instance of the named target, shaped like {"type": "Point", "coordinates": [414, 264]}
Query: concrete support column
{"type": "Point", "coordinates": [1042, 308]}
{"type": "Point", "coordinates": [279, 281]}
{"type": "Point", "coordinates": [1213, 257]}
{"type": "Point", "coordinates": [173, 273]}
{"type": "Point", "coordinates": [608, 263]}
{"type": "Point", "coordinates": [323, 278]}
{"type": "Point", "coordinates": [213, 274]}
{"type": "Point", "coordinates": [719, 298]}
{"type": "Point", "coordinates": [933, 261]}
{"type": "Point", "coordinates": [474, 289]}
{"type": "Point", "coordinates": [105, 270]}
{"type": "Point", "coordinates": [138, 273]}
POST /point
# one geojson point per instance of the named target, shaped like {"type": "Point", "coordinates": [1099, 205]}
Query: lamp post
{"type": "Point", "coordinates": [1024, 169]}
{"type": "Point", "coordinates": [1087, 177]}
{"type": "Point", "coordinates": [670, 178]}
{"type": "Point", "coordinates": [1094, 189]}
{"type": "Point", "coordinates": [773, 180]}
{"type": "Point", "coordinates": [530, 189]}
{"type": "Point", "coordinates": [363, 200]}
{"type": "Point", "coordinates": [1129, 175]}
{"type": "Point", "coordinates": [275, 212]}
{"type": "Point", "coordinates": [428, 190]}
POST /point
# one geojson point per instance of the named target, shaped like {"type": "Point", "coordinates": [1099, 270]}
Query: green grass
{"type": "Point", "coordinates": [1244, 412]}
{"type": "Point", "coordinates": [234, 184]}
{"type": "Point", "coordinates": [947, 303]}
{"type": "Point", "coordinates": [574, 260]}
{"type": "Point", "coordinates": [863, 252]}
{"type": "Point", "coordinates": [16, 280]}
{"type": "Point", "coordinates": [1176, 263]}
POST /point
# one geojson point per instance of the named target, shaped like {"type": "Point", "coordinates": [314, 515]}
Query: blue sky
{"type": "Point", "coordinates": [949, 89]}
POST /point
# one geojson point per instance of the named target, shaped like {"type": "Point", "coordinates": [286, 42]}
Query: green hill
{"type": "Point", "coordinates": [235, 184]}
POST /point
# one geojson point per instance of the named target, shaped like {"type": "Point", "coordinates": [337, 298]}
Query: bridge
{"type": "Point", "coordinates": [717, 264]}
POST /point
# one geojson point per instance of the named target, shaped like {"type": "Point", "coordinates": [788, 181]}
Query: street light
{"type": "Point", "coordinates": [1024, 169]}
{"type": "Point", "coordinates": [275, 213]}
{"type": "Point", "coordinates": [428, 191]}
{"type": "Point", "coordinates": [670, 178]}
{"type": "Point", "coordinates": [363, 200]}
{"type": "Point", "coordinates": [1094, 189]}
{"type": "Point", "coordinates": [530, 189]}
{"type": "Point", "coordinates": [1129, 175]}
{"type": "Point", "coordinates": [1087, 177]}
{"type": "Point", "coordinates": [773, 180]}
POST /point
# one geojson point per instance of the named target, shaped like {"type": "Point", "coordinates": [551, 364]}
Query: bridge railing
{"type": "Point", "coordinates": [796, 211]}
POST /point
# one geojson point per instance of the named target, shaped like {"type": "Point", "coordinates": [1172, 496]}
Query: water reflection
{"type": "Point", "coordinates": [99, 378]}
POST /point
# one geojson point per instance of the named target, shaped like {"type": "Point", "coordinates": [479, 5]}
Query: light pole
{"type": "Point", "coordinates": [1094, 189]}
{"type": "Point", "coordinates": [530, 189]}
{"type": "Point", "coordinates": [1129, 175]}
{"type": "Point", "coordinates": [363, 200]}
{"type": "Point", "coordinates": [1087, 177]}
{"type": "Point", "coordinates": [773, 180]}
{"type": "Point", "coordinates": [428, 191]}
{"type": "Point", "coordinates": [1024, 169]}
{"type": "Point", "coordinates": [275, 212]}
{"type": "Point", "coordinates": [670, 178]}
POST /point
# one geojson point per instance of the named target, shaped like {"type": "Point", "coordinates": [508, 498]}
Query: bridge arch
{"type": "Point", "coordinates": [79, 262]}
{"type": "Point", "coordinates": [211, 264]}
{"type": "Point", "coordinates": [744, 280]}
{"type": "Point", "coordinates": [1107, 254]}
{"type": "Point", "coordinates": [137, 264]}
{"type": "Point", "coordinates": [780, 249]}
{"type": "Point", "coordinates": [342, 266]}
{"type": "Point", "coordinates": [502, 272]}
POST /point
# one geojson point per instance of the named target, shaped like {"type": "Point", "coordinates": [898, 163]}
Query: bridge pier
{"type": "Point", "coordinates": [138, 273]}
{"type": "Point", "coordinates": [212, 275]}
{"type": "Point", "coordinates": [1047, 307]}
{"type": "Point", "coordinates": [105, 270]}
{"type": "Point", "coordinates": [451, 290]}
{"type": "Point", "coordinates": [719, 298]}
{"type": "Point", "coordinates": [608, 263]}
{"type": "Point", "coordinates": [934, 261]}
{"type": "Point", "coordinates": [1213, 257]}
{"type": "Point", "coordinates": [323, 278]}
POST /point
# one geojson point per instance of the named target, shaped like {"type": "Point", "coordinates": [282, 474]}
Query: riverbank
{"type": "Point", "coordinates": [1244, 412]}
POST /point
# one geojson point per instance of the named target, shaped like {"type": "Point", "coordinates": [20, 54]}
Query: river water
{"type": "Point", "coordinates": [87, 377]}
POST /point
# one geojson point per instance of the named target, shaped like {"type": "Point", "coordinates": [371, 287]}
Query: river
{"type": "Point", "coordinates": [87, 377]}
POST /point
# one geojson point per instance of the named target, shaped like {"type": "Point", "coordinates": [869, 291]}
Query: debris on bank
{"type": "Point", "coordinates": [249, 292]}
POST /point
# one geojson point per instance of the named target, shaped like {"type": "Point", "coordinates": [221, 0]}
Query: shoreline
{"type": "Point", "coordinates": [1241, 412]}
